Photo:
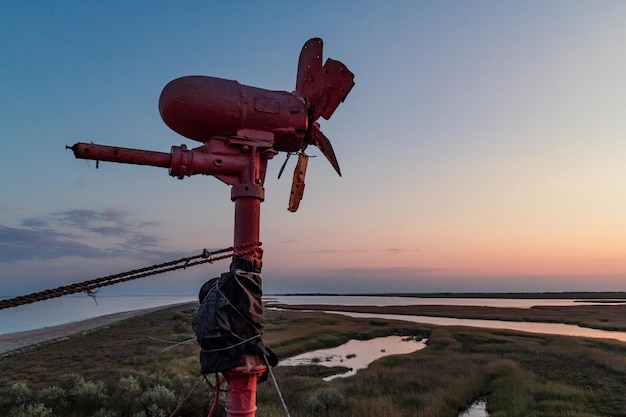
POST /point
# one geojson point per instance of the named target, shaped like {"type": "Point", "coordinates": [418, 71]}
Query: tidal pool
{"type": "Point", "coordinates": [356, 354]}
{"type": "Point", "coordinates": [477, 409]}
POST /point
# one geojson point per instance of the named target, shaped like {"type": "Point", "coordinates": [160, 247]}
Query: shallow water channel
{"type": "Point", "coordinates": [477, 409]}
{"type": "Point", "coordinates": [522, 326]}
{"type": "Point", "coordinates": [356, 354]}
{"type": "Point", "coordinates": [531, 327]}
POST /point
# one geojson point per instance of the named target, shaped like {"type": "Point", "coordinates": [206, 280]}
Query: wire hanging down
{"type": "Point", "coordinates": [90, 285]}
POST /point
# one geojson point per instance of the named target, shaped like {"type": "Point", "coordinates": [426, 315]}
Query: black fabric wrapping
{"type": "Point", "coordinates": [229, 322]}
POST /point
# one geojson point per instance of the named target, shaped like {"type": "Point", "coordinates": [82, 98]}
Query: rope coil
{"type": "Point", "coordinates": [90, 285]}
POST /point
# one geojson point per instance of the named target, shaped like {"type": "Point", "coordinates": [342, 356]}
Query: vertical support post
{"type": "Point", "coordinates": [247, 196]}
{"type": "Point", "coordinates": [241, 395]}
{"type": "Point", "coordinates": [247, 220]}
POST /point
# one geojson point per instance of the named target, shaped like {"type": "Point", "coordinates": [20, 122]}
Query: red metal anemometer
{"type": "Point", "coordinates": [241, 128]}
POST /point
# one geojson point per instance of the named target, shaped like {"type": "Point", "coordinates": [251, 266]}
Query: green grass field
{"type": "Point", "coordinates": [122, 370]}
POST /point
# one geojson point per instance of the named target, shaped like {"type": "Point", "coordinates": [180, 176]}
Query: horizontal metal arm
{"type": "Point", "coordinates": [121, 155]}
{"type": "Point", "coordinates": [227, 163]}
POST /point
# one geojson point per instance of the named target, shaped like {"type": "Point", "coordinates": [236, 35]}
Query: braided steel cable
{"type": "Point", "coordinates": [90, 285]}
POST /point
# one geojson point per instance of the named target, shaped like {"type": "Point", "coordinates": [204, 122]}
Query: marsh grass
{"type": "Point", "coordinates": [121, 370]}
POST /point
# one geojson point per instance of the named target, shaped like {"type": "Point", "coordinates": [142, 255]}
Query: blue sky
{"type": "Point", "coordinates": [482, 148]}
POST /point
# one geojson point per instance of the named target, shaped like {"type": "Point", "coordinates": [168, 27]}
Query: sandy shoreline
{"type": "Point", "coordinates": [14, 341]}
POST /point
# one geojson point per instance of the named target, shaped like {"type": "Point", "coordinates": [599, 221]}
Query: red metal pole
{"type": "Point", "coordinates": [247, 196]}
{"type": "Point", "coordinates": [247, 216]}
{"type": "Point", "coordinates": [241, 395]}
{"type": "Point", "coordinates": [242, 380]}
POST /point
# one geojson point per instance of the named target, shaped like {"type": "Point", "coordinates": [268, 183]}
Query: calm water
{"type": "Point", "coordinates": [75, 308]}
{"type": "Point", "coordinates": [356, 354]}
{"type": "Point", "coordinates": [522, 326]}
{"type": "Point", "coordinates": [69, 309]}
{"type": "Point", "coordinates": [349, 300]}
{"type": "Point", "coordinates": [477, 409]}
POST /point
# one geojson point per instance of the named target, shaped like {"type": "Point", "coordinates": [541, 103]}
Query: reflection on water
{"type": "Point", "coordinates": [521, 326]}
{"type": "Point", "coordinates": [356, 354]}
{"type": "Point", "coordinates": [477, 409]}
{"type": "Point", "coordinates": [382, 301]}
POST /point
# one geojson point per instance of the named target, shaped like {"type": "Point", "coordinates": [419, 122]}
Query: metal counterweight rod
{"type": "Point", "coordinates": [122, 155]}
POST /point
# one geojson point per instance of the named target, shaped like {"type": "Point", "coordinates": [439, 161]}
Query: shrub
{"type": "Point", "coordinates": [126, 393]}
{"type": "Point", "coordinates": [69, 381]}
{"type": "Point", "coordinates": [32, 410]}
{"type": "Point", "coordinates": [159, 378]}
{"type": "Point", "coordinates": [182, 328]}
{"type": "Point", "coordinates": [81, 395]}
{"type": "Point", "coordinates": [179, 316]}
{"type": "Point", "coordinates": [325, 400]}
{"type": "Point", "coordinates": [157, 400]}
{"type": "Point", "coordinates": [19, 393]}
{"type": "Point", "coordinates": [104, 412]}
{"type": "Point", "coordinates": [53, 397]}
{"type": "Point", "coordinates": [91, 396]}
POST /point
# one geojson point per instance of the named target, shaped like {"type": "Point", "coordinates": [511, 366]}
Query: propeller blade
{"type": "Point", "coordinates": [322, 142]}
{"type": "Point", "coordinates": [323, 87]}
{"type": "Point", "coordinates": [332, 86]}
{"type": "Point", "coordinates": [282, 168]}
{"type": "Point", "coordinates": [309, 66]}
{"type": "Point", "coordinates": [297, 186]}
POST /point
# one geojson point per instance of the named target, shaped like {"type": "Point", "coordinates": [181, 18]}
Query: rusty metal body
{"type": "Point", "coordinates": [241, 128]}
{"type": "Point", "coordinates": [201, 108]}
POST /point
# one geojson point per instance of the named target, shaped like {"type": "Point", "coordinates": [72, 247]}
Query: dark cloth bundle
{"type": "Point", "coordinates": [229, 321]}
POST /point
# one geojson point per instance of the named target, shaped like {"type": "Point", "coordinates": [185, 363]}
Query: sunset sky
{"type": "Point", "coordinates": [483, 147]}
